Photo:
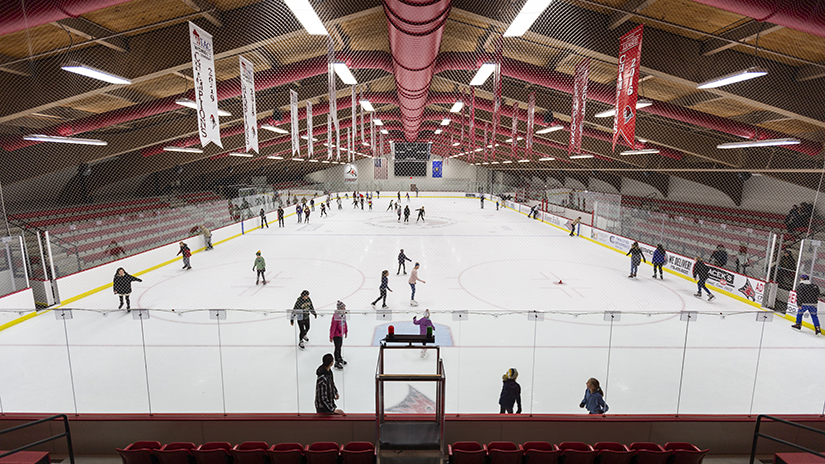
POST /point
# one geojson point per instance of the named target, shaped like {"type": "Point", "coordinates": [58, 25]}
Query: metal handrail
{"type": "Point", "coordinates": [757, 435]}
{"type": "Point", "coordinates": [66, 434]}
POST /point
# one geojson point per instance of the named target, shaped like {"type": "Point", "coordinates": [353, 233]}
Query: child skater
{"type": "Point", "coordinates": [338, 332]}
{"type": "Point", "coordinates": [636, 257]}
{"type": "Point", "coordinates": [260, 266]}
{"type": "Point", "coordinates": [658, 260]}
{"type": "Point", "coordinates": [385, 285]}
{"type": "Point", "coordinates": [398, 212]}
{"type": "Point", "coordinates": [187, 253]}
{"type": "Point", "coordinates": [594, 398]}
{"type": "Point", "coordinates": [299, 212]}
{"type": "Point", "coordinates": [510, 392]}
{"type": "Point", "coordinates": [423, 323]}
{"type": "Point", "coordinates": [122, 285]}
{"type": "Point", "coordinates": [420, 215]}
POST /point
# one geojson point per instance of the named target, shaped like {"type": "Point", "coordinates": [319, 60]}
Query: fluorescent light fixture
{"type": "Point", "coordinates": [483, 73]}
{"type": "Point", "coordinates": [759, 143]}
{"type": "Point", "coordinates": [194, 105]}
{"type": "Point", "coordinates": [306, 137]}
{"type": "Point", "coordinates": [313, 161]}
{"type": "Point", "coordinates": [59, 139]}
{"type": "Point", "coordinates": [510, 140]}
{"type": "Point", "coordinates": [304, 12]}
{"type": "Point", "coordinates": [507, 162]}
{"type": "Point", "coordinates": [366, 105]}
{"type": "Point", "coordinates": [478, 149]}
{"type": "Point", "coordinates": [457, 106]}
{"type": "Point", "coordinates": [494, 162]}
{"type": "Point", "coordinates": [642, 140]}
{"type": "Point", "coordinates": [385, 131]}
{"type": "Point", "coordinates": [344, 73]}
{"type": "Point", "coordinates": [242, 155]}
{"type": "Point", "coordinates": [455, 144]}
{"type": "Point", "coordinates": [297, 159]}
{"type": "Point", "coordinates": [445, 121]}
{"type": "Point", "coordinates": [275, 157]}
{"type": "Point", "coordinates": [645, 151]}
{"type": "Point", "coordinates": [365, 144]}
{"type": "Point", "coordinates": [531, 10]}
{"type": "Point", "coordinates": [549, 129]}
{"type": "Point", "coordinates": [547, 159]}
{"type": "Point", "coordinates": [378, 122]}
{"type": "Point", "coordinates": [612, 112]}
{"type": "Point", "coordinates": [739, 76]}
{"type": "Point", "coordinates": [272, 128]}
{"type": "Point", "coordinates": [485, 163]}
{"type": "Point", "coordinates": [524, 161]}
{"type": "Point", "coordinates": [325, 162]}
{"type": "Point", "coordinates": [94, 73]}
{"type": "Point", "coordinates": [572, 157]}
{"type": "Point", "coordinates": [438, 131]}
{"type": "Point", "coordinates": [183, 149]}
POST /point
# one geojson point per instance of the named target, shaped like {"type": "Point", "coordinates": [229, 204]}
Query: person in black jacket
{"type": "Point", "coordinates": [510, 392]}
{"type": "Point", "coordinates": [807, 299]}
{"type": "Point", "coordinates": [636, 257]}
{"type": "Point", "coordinates": [325, 391]}
{"type": "Point", "coordinates": [301, 311]}
{"type": "Point", "coordinates": [402, 262]}
{"type": "Point", "coordinates": [122, 285]}
{"type": "Point", "coordinates": [701, 269]}
{"type": "Point", "coordinates": [385, 285]}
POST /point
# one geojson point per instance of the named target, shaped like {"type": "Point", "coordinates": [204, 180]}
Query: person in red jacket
{"type": "Point", "coordinates": [186, 252]}
{"type": "Point", "coordinates": [338, 332]}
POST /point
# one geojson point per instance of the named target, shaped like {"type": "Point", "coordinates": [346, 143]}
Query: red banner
{"type": "Point", "coordinates": [497, 90]}
{"type": "Point", "coordinates": [472, 120]}
{"type": "Point", "coordinates": [485, 151]}
{"type": "Point", "coordinates": [579, 100]}
{"type": "Point", "coordinates": [515, 130]}
{"type": "Point", "coordinates": [463, 123]}
{"type": "Point", "coordinates": [531, 120]}
{"type": "Point", "coordinates": [627, 84]}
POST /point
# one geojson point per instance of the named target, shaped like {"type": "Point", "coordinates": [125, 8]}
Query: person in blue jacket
{"type": "Point", "coordinates": [510, 392]}
{"type": "Point", "coordinates": [658, 260]}
{"type": "Point", "coordinates": [594, 398]}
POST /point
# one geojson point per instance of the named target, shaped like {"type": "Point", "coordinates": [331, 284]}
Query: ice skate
{"type": "Point", "coordinates": [306, 339]}
{"type": "Point", "coordinates": [796, 326]}
{"type": "Point", "coordinates": [264, 282]}
{"type": "Point", "coordinates": [343, 361]}
{"type": "Point", "coordinates": [698, 294]}
{"type": "Point", "coordinates": [654, 276]}
{"type": "Point", "coordinates": [339, 366]}
{"type": "Point", "coordinates": [383, 306]}
{"type": "Point", "coordinates": [711, 296]}
{"type": "Point", "coordinates": [301, 346]}
{"type": "Point", "coordinates": [121, 305]}
{"type": "Point", "coordinates": [817, 331]}
{"type": "Point", "coordinates": [413, 303]}
{"type": "Point", "coordinates": [256, 282]}
{"type": "Point", "coordinates": [373, 304]}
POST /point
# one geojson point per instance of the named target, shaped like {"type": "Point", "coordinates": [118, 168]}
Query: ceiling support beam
{"type": "Point", "coordinates": [744, 33]}
{"type": "Point", "coordinates": [620, 17]}
{"type": "Point", "coordinates": [210, 12]}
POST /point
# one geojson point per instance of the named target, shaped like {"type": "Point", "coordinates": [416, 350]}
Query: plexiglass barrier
{"type": "Point", "coordinates": [650, 361]}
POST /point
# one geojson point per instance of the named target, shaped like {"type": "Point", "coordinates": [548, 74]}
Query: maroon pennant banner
{"type": "Point", "coordinates": [531, 120]}
{"type": "Point", "coordinates": [627, 84]}
{"type": "Point", "coordinates": [514, 130]}
{"type": "Point", "coordinates": [580, 79]}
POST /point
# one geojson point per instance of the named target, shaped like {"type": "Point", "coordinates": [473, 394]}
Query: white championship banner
{"type": "Point", "coordinates": [206, 95]}
{"type": "Point", "coordinates": [250, 112]}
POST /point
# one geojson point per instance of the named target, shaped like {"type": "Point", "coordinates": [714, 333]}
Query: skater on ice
{"type": "Point", "coordinates": [701, 270]}
{"type": "Point", "coordinates": [259, 265]}
{"type": "Point", "coordinates": [122, 284]}
{"type": "Point", "coordinates": [413, 279]}
{"type": "Point", "coordinates": [299, 212]}
{"type": "Point", "coordinates": [385, 285]}
{"type": "Point", "coordinates": [402, 262]}
{"type": "Point", "coordinates": [389, 207]}
{"type": "Point", "coordinates": [420, 215]}
{"type": "Point", "coordinates": [263, 219]}
{"type": "Point", "coordinates": [338, 332]}
{"type": "Point", "coordinates": [807, 299]}
{"type": "Point", "coordinates": [398, 211]}
{"type": "Point", "coordinates": [510, 392]}
{"type": "Point", "coordinates": [323, 210]}
{"type": "Point", "coordinates": [306, 214]}
{"type": "Point", "coordinates": [406, 213]}
{"type": "Point", "coordinates": [187, 253]}
{"type": "Point", "coordinates": [658, 260]}
{"type": "Point", "coordinates": [594, 398]}
{"type": "Point", "coordinates": [573, 225]}
{"type": "Point", "coordinates": [207, 236]}
{"type": "Point", "coordinates": [280, 216]}
{"type": "Point", "coordinates": [636, 257]}
{"type": "Point", "coordinates": [301, 310]}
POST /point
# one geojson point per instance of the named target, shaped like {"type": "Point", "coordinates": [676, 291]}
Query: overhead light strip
{"type": "Point", "coordinates": [549, 129]}
{"type": "Point", "coordinates": [759, 143]}
{"type": "Point", "coordinates": [645, 151]}
{"type": "Point", "coordinates": [304, 12]}
{"type": "Point", "coordinates": [531, 10]}
{"type": "Point", "coordinates": [732, 78]}
{"type": "Point", "coordinates": [59, 139]}
{"type": "Point", "coordinates": [457, 106]}
{"type": "Point", "coordinates": [194, 105]}
{"type": "Point", "coordinates": [344, 73]}
{"type": "Point", "coordinates": [483, 74]}
{"type": "Point", "coordinates": [272, 128]}
{"type": "Point", "coordinates": [183, 149]}
{"type": "Point", "coordinates": [612, 112]}
{"type": "Point", "coordinates": [366, 105]}
{"type": "Point", "coordinates": [95, 73]}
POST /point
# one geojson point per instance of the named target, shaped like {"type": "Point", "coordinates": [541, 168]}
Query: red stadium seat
{"type": "Point", "coordinates": [467, 452]}
{"type": "Point", "coordinates": [613, 453]}
{"type": "Point", "coordinates": [323, 452]}
{"type": "Point", "coordinates": [213, 453]}
{"type": "Point", "coordinates": [541, 452]}
{"type": "Point", "coordinates": [358, 452]}
{"type": "Point", "coordinates": [574, 452]}
{"type": "Point", "coordinates": [250, 452]}
{"type": "Point", "coordinates": [286, 453]}
{"type": "Point", "coordinates": [504, 452]}
{"type": "Point", "coordinates": [139, 452]}
{"type": "Point", "coordinates": [175, 453]}
{"type": "Point", "coordinates": [650, 453]}
{"type": "Point", "coordinates": [686, 453]}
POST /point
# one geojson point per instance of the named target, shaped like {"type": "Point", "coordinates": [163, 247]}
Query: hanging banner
{"type": "Point", "coordinates": [497, 90]}
{"type": "Point", "coordinates": [310, 140]}
{"type": "Point", "coordinates": [381, 144]}
{"type": "Point", "coordinates": [350, 156]}
{"type": "Point", "coordinates": [531, 120]}
{"type": "Point", "coordinates": [363, 140]}
{"type": "Point", "coordinates": [206, 96]}
{"type": "Point", "coordinates": [293, 117]}
{"type": "Point", "coordinates": [329, 137]}
{"type": "Point", "coordinates": [627, 83]}
{"type": "Point", "coordinates": [353, 124]}
{"type": "Point", "coordinates": [472, 119]}
{"type": "Point", "coordinates": [580, 79]}
{"type": "Point", "coordinates": [333, 102]}
{"type": "Point", "coordinates": [350, 173]}
{"type": "Point", "coordinates": [250, 113]}
{"type": "Point", "coordinates": [436, 169]}
{"type": "Point", "coordinates": [373, 145]}
{"type": "Point", "coordinates": [484, 150]}
{"type": "Point", "coordinates": [514, 132]}
{"type": "Point", "coordinates": [463, 123]}
{"type": "Point", "coordinates": [381, 169]}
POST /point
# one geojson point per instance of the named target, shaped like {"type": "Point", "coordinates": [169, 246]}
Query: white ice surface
{"type": "Point", "coordinates": [496, 265]}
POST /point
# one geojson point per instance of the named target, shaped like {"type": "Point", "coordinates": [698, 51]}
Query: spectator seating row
{"type": "Point", "coordinates": [540, 452]}
{"type": "Point", "coordinates": [735, 212]}
{"type": "Point", "coordinates": [750, 218]}
{"type": "Point", "coordinates": [50, 214]}
{"type": "Point", "coordinates": [89, 216]}
{"type": "Point", "coordinates": [199, 197]}
{"type": "Point", "coordinates": [250, 452]}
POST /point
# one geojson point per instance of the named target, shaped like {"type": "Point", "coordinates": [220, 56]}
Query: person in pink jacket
{"type": "Point", "coordinates": [338, 332]}
{"type": "Point", "coordinates": [413, 280]}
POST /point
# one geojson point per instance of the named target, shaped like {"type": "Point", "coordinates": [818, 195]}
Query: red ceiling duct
{"type": "Point", "coordinates": [226, 89]}
{"type": "Point", "coordinates": [606, 94]}
{"type": "Point", "coordinates": [801, 15]}
{"type": "Point", "coordinates": [415, 30]}
{"type": "Point", "coordinates": [18, 16]}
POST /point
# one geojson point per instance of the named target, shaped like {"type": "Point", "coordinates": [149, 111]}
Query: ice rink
{"type": "Point", "coordinates": [498, 266]}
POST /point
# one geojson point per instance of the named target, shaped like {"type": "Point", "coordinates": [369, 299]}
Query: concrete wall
{"type": "Point", "coordinates": [456, 175]}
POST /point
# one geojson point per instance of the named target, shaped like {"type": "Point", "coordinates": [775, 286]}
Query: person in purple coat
{"type": "Point", "coordinates": [423, 323]}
